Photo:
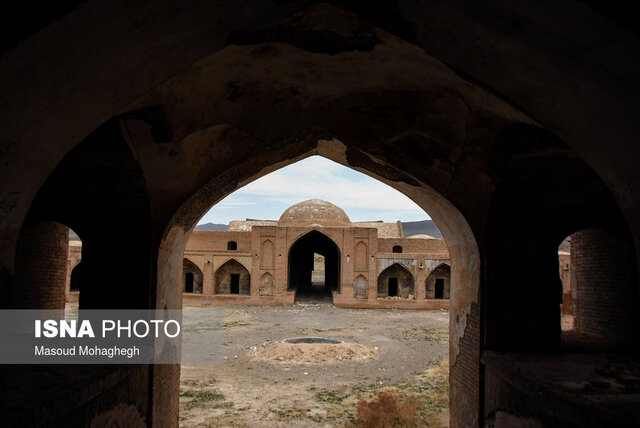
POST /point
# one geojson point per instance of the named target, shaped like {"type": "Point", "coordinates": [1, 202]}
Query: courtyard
{"type": "Point", "coordinates": [401, 354]}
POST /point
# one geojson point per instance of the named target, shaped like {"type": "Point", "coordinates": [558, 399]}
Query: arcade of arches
{"type": "Point", "coordinates": [514, 124]}
{"type": "Point", "coordinates": [277, 261]}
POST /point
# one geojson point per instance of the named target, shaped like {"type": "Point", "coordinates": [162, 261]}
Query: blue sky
{"type": "Point", "coordinates": [362, 197]}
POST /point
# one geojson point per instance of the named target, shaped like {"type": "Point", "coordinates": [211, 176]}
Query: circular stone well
{"type": "Point", "coordinates": [312, 340]}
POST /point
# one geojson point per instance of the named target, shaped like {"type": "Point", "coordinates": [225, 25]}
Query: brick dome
{"type": "Point", "coordinates": [312, 212]}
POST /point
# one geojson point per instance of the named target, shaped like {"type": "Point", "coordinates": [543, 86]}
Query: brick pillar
{"type": "Point", "coordinates": [602, 267]}
{"type": "Point", "coordinates": [41, 267]}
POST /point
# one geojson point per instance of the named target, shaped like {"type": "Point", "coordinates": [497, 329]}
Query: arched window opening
{"type": "Point", "coordinates": [397, 249]}
{"type": "Point", "coordinates": [232, 245]}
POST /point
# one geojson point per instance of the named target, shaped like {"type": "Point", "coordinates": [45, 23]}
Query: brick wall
{"type": "Point", "coordinates": [41, 267]}
{"type": "Point", "coordinates": [601, 264]}
{"type": "Point", "coordinates": [223, 278]}
{"type": "Point", "coordinates": [464, 398]}
{"type": "Point", "coordinates": [385, 245]}
{"type": "Point", "coordinates": [213, 240]}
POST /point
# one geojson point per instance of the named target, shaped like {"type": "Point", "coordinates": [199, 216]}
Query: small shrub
{"type": "Point", "coordinates": [384, 412]}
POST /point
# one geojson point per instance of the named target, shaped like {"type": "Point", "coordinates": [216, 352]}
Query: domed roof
{"type": "Point", "coordinates": [312, 212]}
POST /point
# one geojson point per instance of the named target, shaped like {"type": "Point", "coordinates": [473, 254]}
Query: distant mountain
{"type": "Point", "coordinates": [424, 227]}
{"type": "Point", "coordinates": [211, 226]}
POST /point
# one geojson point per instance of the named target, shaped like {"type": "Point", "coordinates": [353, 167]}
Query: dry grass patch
{"type": "Point", "coordinates": [312, 353]}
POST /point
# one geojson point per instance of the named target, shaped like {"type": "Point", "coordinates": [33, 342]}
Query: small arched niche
{"type": "Point", "coordinates": [266, 285]}
{"type": "Point", "coordinates": [360, 288]}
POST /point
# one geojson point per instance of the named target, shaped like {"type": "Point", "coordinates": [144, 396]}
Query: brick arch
{"type": "Point", "coordinates": [75, 276]}
{"type": "Point", "coordinates": [598, 112]}
{"type": "Point", "coordinates": [194, 262]}
{"type": "Point", "coordinates": [296, 265]}
{"type": "Point", "coordinates": [75, 263]}
{"type": "Point", "coordinates": [434, 287]}
{"type": "Point", "coordinates": [193, 277]}
{"type": "Point", "coordinates": [232, 277]}
{"type": "Point", "coordinates": [453, 225]}
{"type": "Point", "coordinates": [224, 260]}
{"type": "Point", "coordinates": [399, 276]}
{"type": "Point", "coordinates": [267, 284]}
{"type": "Point", "coordinates": [312, 229]}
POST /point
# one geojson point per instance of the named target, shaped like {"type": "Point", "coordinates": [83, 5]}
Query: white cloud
{"type": "Point", "coordinates": [317, 178]}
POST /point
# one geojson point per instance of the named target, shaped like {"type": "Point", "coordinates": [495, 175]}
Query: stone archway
{"type": "Point", "coordinates": [232, 278]}
{"type": "Point", "coordinates": [301, 264]}
{"type": "Point", "coordinates": [193, 277]}
{"type": "Point", "coordinates": [464, 255]}
{"type": "Point", "coordinates": [384, 123]}
{"type": "Point", "coordinates": [76, 280]}
{"type": "Point", "coordinates": [396, 281]}
{"type": "Point", "coordinates": [438, 283]}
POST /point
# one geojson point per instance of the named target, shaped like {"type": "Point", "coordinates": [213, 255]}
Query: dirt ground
{"type": "Point", "coordinates": [403, 353]}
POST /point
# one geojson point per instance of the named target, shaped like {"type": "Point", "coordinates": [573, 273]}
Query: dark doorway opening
{"type": "Point", "coordinates": [235, 284]}
{"type": "Point", "coordinates": [188, 283]}
{"type": "Point", "coordinates": [76, 277]}
{"type": "Point", "coordinates": [439, 288]}
{"type": "Point", "coordinates": [393, 286]}
{"type": "Point", "coordinates": [309, 254]}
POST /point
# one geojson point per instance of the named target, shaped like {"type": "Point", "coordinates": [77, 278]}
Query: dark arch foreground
{"type": "Point", "coordinates": [137, 134]}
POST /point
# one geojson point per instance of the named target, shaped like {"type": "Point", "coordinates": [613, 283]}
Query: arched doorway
{"type": "Point", "coordinates": [302, 256]}
{"type": "Point", "coordinates": [75, 283]}
{"type": "Point", "coordinates": [192, 276]}
{"type": "Point", "coordinates": [438, 283]}
{"type": "Point", "coordinates": [396, 281]}
{"type": "Point", "coordinates": [232, 278]}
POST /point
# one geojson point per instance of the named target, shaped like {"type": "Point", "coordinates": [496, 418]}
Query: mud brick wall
{"type": "Point", "coordinates": [602, 269]}
{"type": "Point", "coordinates": [212, 240]}
{"type": "Point", "coordinates": [41, 267]}
{"type": "Point", "coordinates": [386, 245]}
